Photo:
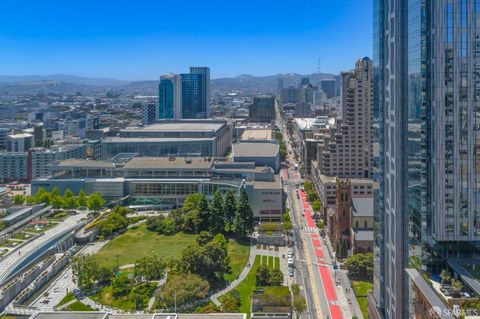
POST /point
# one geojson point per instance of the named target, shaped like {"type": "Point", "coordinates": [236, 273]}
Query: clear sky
{"type": "Point", "coordinates": [141, 39]}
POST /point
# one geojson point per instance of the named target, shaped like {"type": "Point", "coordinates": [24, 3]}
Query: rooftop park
{"type": "Point", "coordinates": [194, 250]}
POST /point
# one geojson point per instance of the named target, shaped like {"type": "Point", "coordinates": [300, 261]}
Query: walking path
{"type": "Point", "coordinates": [236, 282]}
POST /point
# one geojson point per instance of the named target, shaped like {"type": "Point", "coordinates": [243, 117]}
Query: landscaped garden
{"type": "Point", "coordinates": [201, 246]}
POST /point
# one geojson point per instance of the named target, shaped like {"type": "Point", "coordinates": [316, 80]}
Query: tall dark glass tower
{"type": "Point", "coordinates": [204, 88]}
{"type": "Point", "coordinates": [192, 96]}
{"type": "Point", "coordinates": [427, 73]}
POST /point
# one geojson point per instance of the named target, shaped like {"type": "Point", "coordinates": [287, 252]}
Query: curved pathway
{"type": "Point", "coordinates": [236, 282]}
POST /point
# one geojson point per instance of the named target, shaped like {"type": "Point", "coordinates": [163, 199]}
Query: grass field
{"type": "Point", "coordinates": [361, 289]}
{"type": "Point", "coordinates": [79, 306]}
{"type": "Point", "coordinates": [139, 242]}
{"type": "Point", "coordinates": [68, 297]}
{"type": "Point", "coordinates": [238, 250]}
{"type": "Point", "coordinates": [247, 287]}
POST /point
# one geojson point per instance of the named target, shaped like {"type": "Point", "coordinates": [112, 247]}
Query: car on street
{"type": "Point", "coordinates": [290, 272]}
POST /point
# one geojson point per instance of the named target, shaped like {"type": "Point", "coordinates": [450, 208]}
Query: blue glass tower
{"type": "Point", "coordinates": [193, 106]}
{"type": "Point", "coordinates": [169, 97]}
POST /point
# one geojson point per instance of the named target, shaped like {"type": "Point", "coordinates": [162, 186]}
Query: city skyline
{"type": "Point", "coordinates": [141, 42]}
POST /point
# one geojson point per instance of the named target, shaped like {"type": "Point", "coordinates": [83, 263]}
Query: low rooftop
{"type": "Point", "coordinates": [191, 125]}
{"type": "Point", "coordinates": [257, 134]}
{"type": "Point", "coordinates": [252, 149]}
{"type": "Point", "coordinates": [169, 163]}
{"type": "Point", "coordinates": [362, 207]}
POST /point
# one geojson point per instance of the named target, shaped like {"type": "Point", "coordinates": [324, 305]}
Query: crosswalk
{"type": "Point", "coordinates": [310, 229]}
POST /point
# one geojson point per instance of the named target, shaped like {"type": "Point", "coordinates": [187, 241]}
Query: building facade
{"type": "Point", "coordinates": [180, 138]}
{"type": "Point", "coordinates": [149, 113]}
{"type": "Point", "coordinates": [170, 97]}
{"type": "Point", "coordinates": [262, 109]}
{"type": "Point", "coordinates": [204, 86]}
{"type": "Point", "coordinates": [20, 142]}
{"type": "Point", "coordinates": [192, 97]}
{"type": "Point", "coordinates": [13, 166]}
{"type": "Point", "coordinates": [427, 69]}
{"type": "Point", "coordinates": [328, 87]}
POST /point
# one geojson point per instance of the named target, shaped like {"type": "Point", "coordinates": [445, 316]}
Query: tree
{"type": "Point", "coordinates": [275, 278]}
{"type": "Point", "coordinates": [69, 200]}
{"type": "Point", "coordinates": [317, 205]}
{"type": "Point", "coordinates": [121, 285]}
{"type": "Point", "coordinates": [82, 198]}
{"type": "Point", "coordinates": [150, 267]}
{"type": "Point", "coordinates": [263, 275]}
{"type": "Point", "coordinates": [204, 238]}
{"type": "Point", "coordinates": [457, 285]}
{"type": "Point", "coordinates": [203, 214]}
{"type": "Point", "coordinates": [95, 202]}
{"type": "Point", "coordinates": [231, 302]}
{"type": "Point", "coordinates": [217, 214]}
{"type": "Point", "coordinates": [162, 225]}
{"type": "Point", "coordinates": [30, 200]}
{"type": "Point", "coordinates": [244, 219]}
{"type": "Point", "coordinates": [183, 289]}
{"type": "Point", "coordinates": [229, 209]}
{"type": "Point", "coordinates": [42, 196]}
{"type": "Point", "coordinates": [299, 304]}
{"type": "Point", "coordinates": [113, 223]}
{"type": "Point", "coordinates": [18, 199]}
{"type": "Point", "coordinates": [445, 276]}
{"type": "Point", "coordinates": [360, 266]}
{"type": "Point", "coordinates": [192, 202]}
{"type": "Point", "coordinates": [210, 261]}
{"type": "Point", "coordinates": [56, 201]}
{"type": "Point", "coordinates": [84, 269]}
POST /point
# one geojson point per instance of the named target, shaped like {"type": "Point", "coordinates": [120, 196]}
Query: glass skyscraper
{"type": "Point", "coordinates": [170, 97]}
{"type": "Point", "coordinates": [204, 88]}
{"type": "Point", "coordinates": [192, 97]}
{"type": "Point", "coordinates": [427, 117]}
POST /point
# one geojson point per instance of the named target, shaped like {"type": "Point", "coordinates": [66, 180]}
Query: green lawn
{"type": "Point", "coordinates": [79, 306]}
{"type": "Point", "coordinates": [68, 297]}
{"type": "Point", "coordinates": [247, 287]}
{"type": "Point", "coordinates": [270, 262]}
{"type": "Point", "coordinates": [277, 262]}
{"type": "Point", "coordinates": [23, 236]}
{"type": "Point", "coordinates": [361, 288]}
{"type": "Point", "coordinates": [105, 297]}
{"type": "Point", "coordinates": [238, 250]}
{"type": "Point", "coordinates": [138, 242]}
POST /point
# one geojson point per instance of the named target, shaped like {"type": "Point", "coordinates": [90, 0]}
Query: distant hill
{"type": "Point", "coordinates": [62, 78]}
{"type": "Point", "coordinates": [66, 84]}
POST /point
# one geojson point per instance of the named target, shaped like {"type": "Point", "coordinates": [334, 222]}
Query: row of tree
{"type": "Point", "coordinates": [269, 277]}
{"type": "Point", "coordinates": [68, 201]}
{"type": "Point", "coordinates": [218, 216]}
{"type": "Point", "coordinates": [312, 196]}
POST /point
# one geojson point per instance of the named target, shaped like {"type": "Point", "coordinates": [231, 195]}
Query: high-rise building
{"type": "Point", "coordinates": [192, 106]}
{"type": "Point", "coordinates": [279, 87]}
{"type": "Point", "coordinates": [4, 132]}
{"type": "Point", "coordinates": [356, 102]}
{"type": "Point", "coordinates": [328, 86]}
{"type": "Point", "coordinates": [304, 82]}
{"type": "Point", "coordinates": [169, 97]}
{"type": "Point", "coordinates": [204, 87]}
{"type": "Point", "coordinates": [149, 113]}
{"type": "Point", "coordinates": [427, 106]}
{"type": "Point", "coordinates": [20, 142]}
{"type": "Point", "coordinates": [262, 109]}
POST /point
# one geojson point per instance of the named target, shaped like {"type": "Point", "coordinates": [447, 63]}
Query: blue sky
{"type": "Point", "coordinates": [140, 39]}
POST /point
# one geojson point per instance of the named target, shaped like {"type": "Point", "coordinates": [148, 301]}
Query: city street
{"type": "Point", "coordinates": [315, 271]}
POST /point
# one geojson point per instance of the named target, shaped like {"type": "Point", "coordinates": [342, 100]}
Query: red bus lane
{"type": "Point", "coordinates": [323, 267]}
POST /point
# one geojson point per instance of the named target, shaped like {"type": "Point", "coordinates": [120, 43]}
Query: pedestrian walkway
{"type": "Point", "coordinates": [308, 229]}
{"type": "Point", "coordinates": [236, 282]}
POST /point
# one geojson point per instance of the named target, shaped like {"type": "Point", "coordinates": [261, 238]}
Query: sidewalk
{"type": "Point", "coordinates": [236, 282]}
